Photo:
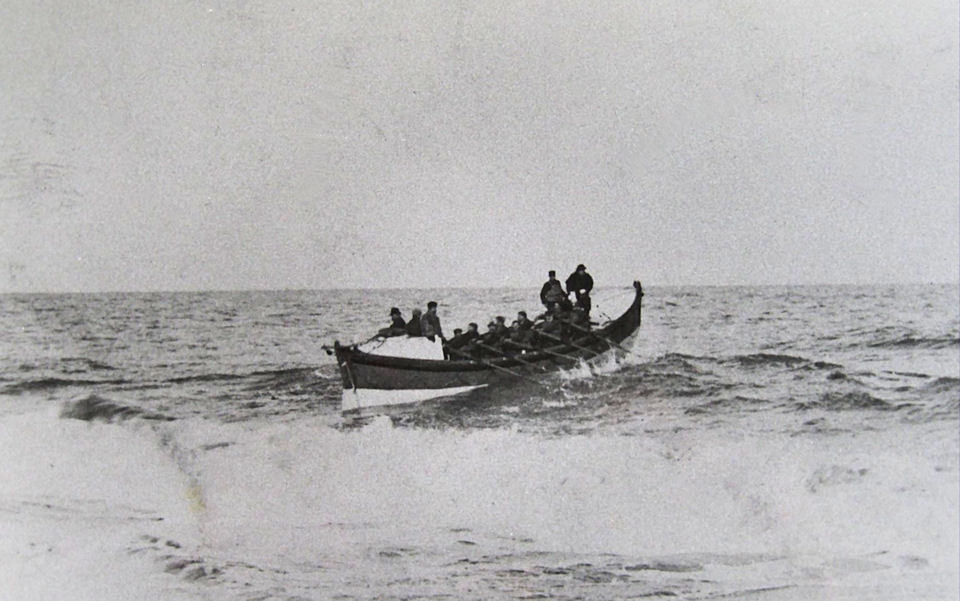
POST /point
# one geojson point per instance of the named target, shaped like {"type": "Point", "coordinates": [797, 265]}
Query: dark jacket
{"type": "Point", "coordinates": [430, 325]}
{"type": "Point", "coordinates": [579, 281]}
{"type": "Point", "coordinates": [398, 327]}
{"type": "Point", "coordinates": [552, 292]}
{"type": "Point", "coordinates": [457, 341]}
{"type": "Point", "coordinates": [413, 327]}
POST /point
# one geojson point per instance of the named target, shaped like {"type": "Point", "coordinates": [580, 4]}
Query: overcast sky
{"type": "Point", "coordinates": [303, 144]}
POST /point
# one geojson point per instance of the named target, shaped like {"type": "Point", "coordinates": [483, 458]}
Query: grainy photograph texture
{"type": "Point", "coordinates": [238, 240]}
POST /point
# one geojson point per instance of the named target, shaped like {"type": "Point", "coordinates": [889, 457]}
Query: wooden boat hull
{"type": "Point", "coordinates": [371, 380]}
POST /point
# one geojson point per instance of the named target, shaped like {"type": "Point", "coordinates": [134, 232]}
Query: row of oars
{"type": "Point", "coordinates": [543, 350]}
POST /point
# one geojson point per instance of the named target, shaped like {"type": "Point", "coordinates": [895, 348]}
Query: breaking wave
{"type": "Point", "coordinates": [96, 408]}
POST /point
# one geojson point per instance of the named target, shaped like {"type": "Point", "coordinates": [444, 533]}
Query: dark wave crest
{"type": "Point", "coordinates": [45, 384]}
{"type": "Point", "coordinates": [266, 379]}
{"type": "Point", "coordinates": [284, 377]}
{"type": "Point", "coordinates": [94, 407]}
{"type": "Point", "coordinates": [214, 377]}
{"type": "Point", "coordinates": [846, 401]}
{"type": "Point", "coordinates": [83, 364]}
{"type": "Point", "coordinates": [943, 385]}
{"type": "Point", "coordinates": [910, 341]}
{"type": "Point", "coordinates": [764, 359]}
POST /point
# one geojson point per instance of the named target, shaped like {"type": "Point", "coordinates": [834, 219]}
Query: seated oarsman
{"type": "Point", "coordinates": [454, 344]}
{"type": "Point", "coordinates": [503, 330]}
{"type": "Point", "coordinates": [549, 331]}
{"type": "Point", "coordinates": [413, 326]}
{"type": "Point", "coordinates": [398, 327]}
{"type": "Point", "coordinates": [508, 342]}
{"type": "Point", "coordinates": [467, 344]}
{"type": "Point", "coordinates": [489, 341]}
{"type": "Point", "coordinates": [574, 323]}
{"type": "Point", "coordinates": [472, 332]}
{"type": "Point", "coordinates": [457, 340]}
{"type": "Point", "coordinates": [580, 317]}
{"type": "Point", "coordinates": [522, 321]}
{"type": "Point", "coordinates": [520, 338]}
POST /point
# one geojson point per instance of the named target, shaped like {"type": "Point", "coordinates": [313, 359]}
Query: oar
{"type": "Point", "coordinates": [534, 349]}
{"type": "Point", "coordinates": [562, 341]}
{"type": "Point", "coordinates": [502, 354]}
{"type": "Point", "coordinates": [503, 369]}
{"type": "Point", "coordinates": [604, 339]}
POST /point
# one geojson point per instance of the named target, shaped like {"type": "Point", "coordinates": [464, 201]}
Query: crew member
{"type": "Point", "coordinates": [491, 338]}
{"type": "Point", "coordinates": [452, 346]}
{"type": "Point", "coordinates": [552, 291]}
{"type": "Point", "coordinates": [398, 327]}
{"type": "Point", "coordinates": [580, 283]}
{"type": "Point", "coordinates": [413, 326]}
{"type": "Point", "coordinates": [503, 331]}
{"type": "Point", "coordinates": [430, 323]}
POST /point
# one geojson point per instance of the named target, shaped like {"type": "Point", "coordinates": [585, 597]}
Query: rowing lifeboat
{"type": "Point", "coordinates": [377, 377]}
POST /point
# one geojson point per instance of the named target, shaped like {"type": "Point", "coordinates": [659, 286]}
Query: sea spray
{"type": "Point", "coordinates": [278, 487]}
{"type": "Point", "coordinates": [78, 498]}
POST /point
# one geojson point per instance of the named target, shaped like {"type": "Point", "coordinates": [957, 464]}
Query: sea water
{"type": "Point", "coordinates": [755, 443]}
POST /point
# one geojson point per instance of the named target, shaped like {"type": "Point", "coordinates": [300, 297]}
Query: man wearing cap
{"type": "Point", "coordinates": [430, 323]}
{"type": "Point", "coordinates": [398, 327]}
{"type": "Point", "coordinates": [580, 283]}
{"type": "Point", "coordinates": [552, 291]}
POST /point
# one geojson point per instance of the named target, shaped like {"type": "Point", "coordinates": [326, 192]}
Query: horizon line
{"type": "Point", "coordinates": [506, 287]}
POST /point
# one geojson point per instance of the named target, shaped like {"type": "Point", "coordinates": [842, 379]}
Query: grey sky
{"type": "Point", "coordinates": [207, 145]}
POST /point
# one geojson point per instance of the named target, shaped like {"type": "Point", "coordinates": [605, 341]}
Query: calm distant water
{"type": "Point", "coordinates": [786, 442]}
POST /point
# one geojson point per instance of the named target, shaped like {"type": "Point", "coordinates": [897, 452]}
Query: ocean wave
{"type": "Point", "coordinates": [262, 378]}
{"type": "Point", "coordinates": [83, 364]}
{"type": "Point", "coordinates": [93, 407]}
{"type": "Point", "coordinates": [763, 359]}
{"type": "Point", "coordinates": [942, 385]}
{"type": "Point", "coordinates": [286, 377]}
{"type": "Point", "coordinates": [911, 341]}
{"type": "Point", "coordinates": [684, 363]}
{"type": "Point", "coordinates": [42, 384]}
{"type": "Point", "coordinates": [212, 377]}
{"type": "Point", "coordinates": [845, 401]}
{"type": "Point", "coordinates": [738, 403]}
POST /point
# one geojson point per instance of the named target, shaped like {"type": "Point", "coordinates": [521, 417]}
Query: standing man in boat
{"type": "Point", "coordinates": [430, 323]}
{"type": "Point", "coordinates": [552, 291]}
{"type": "Point", "coordinates": [580, 283]}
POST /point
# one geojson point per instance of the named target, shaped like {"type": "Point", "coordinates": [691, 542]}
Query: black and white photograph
{"type": "Point", "coordinates": [511, 300]}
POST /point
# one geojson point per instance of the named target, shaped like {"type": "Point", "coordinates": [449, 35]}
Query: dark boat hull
{"type": "Point", "coordinates": [371, 380]}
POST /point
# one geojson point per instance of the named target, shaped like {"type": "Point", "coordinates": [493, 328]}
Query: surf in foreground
{"type": "Point", "coordinates": [756, 443]}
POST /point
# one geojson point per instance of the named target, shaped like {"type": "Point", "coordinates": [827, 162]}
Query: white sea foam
{"type": "Point", "coordinates": [81, 500]}
{"type": "Point", "coordinates": [276, 489]}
